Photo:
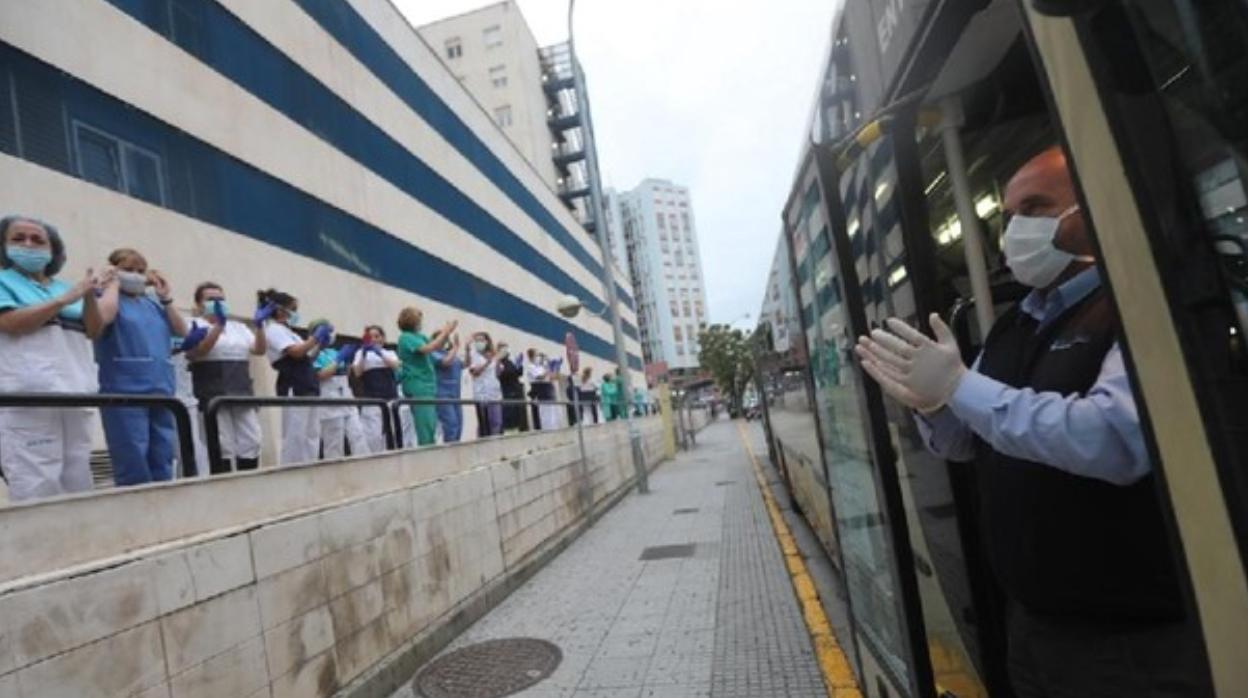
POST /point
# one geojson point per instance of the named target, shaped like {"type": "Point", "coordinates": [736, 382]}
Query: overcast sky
{"type": "Point", "coordinates": [711, 94]}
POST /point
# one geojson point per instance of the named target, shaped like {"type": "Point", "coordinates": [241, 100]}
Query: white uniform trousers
{"type": "Point", "coordinates": [239, 430]}
{"type": "Point", "coordinates": [408, 426]}
{"type": "Point", "coordinates": [346, 426]}
{"type": "Point", "coordinates": [45, 452]}
{"type": "Point", "coordinates": [301, 434]}
{"type": "Point", "coordinates": [374, 432]}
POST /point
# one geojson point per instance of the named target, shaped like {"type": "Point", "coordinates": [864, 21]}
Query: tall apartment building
{"type": "Point", "coordinates": [666, 267]}
{"type": "Point", "coordinates": [528, 90]}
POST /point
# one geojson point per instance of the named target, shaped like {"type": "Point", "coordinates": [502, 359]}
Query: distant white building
{"type": "Point", "coordinates": [665, 263]}
{"type": "Point", "coordinates": [779, 310]}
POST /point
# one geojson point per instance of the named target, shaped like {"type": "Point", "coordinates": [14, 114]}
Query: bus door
{"type": "Point", "coordinates": [1153, 99]}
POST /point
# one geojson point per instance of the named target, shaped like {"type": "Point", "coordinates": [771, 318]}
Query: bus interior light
{"type": "Point", "coordinates": [986, 205]}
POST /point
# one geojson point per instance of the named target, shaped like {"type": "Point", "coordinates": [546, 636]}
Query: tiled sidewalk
{"type": "Point", "coordinates": [721, 622]}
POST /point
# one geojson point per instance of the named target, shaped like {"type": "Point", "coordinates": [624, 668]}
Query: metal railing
{"type": "Point", "coordinates": [391, 416]}
{"type": "Point", "coordinates": [181, 416]}
{"type": "Point", "coordinates": [212, 428]}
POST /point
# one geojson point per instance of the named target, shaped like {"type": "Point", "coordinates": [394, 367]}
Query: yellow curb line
{"type": "Point", "coordinates": [838, 677]}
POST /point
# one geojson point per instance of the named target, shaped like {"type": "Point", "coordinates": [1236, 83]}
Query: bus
{"type": "Point", "coordinates": [924, 110]}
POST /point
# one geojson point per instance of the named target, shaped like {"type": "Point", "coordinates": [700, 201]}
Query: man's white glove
{"type": "Point", "coordinates": [917, 371]}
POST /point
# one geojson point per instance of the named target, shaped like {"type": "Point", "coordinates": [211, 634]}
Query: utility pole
{"type": "Point", "coordinates": [608, 278]}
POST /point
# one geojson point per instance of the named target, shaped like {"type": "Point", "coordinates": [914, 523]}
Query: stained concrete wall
{"type": "Point", "coordinates": [288, 582]}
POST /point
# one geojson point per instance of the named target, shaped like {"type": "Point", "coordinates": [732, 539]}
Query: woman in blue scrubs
{"type": "Point", "coordinates": [133, 353]}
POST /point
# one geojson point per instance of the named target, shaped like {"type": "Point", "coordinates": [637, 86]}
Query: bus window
{"type": "Point", "coordinates": [1177, 90]}
{"type": "Point", "coordinates": [867, 555]}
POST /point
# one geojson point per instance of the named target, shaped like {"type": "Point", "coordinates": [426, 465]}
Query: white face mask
{"type": "Point", "coordinates": [1030, 252]}
{"type": "Point", "coordinates": [132, 283]}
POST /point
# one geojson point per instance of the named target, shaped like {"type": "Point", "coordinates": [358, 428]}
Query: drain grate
{"type": "Point", "coordinates": [667, 552]}
{"type": "Point", "coordinates": [489, 669]}
{"type": "Point", "coordinates": [721, 483]}
{"type": "Point", "coordinates": [688, 510]}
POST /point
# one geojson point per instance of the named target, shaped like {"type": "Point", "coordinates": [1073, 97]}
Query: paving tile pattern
{"type": "Point", "coordinates": [721, 622]}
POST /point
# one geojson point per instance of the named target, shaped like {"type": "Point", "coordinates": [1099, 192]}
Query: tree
{"type": "Point", "coordinates": [725, 353]}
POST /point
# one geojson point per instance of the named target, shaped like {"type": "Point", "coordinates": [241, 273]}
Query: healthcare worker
{"type": "Point", "coordinates": [292, 357]}
{"type": "Point", "coordinates": [486, 389]}
{"type": "Point", "coordinates": [133, 353]}
{"type": "Point", "coordinates": [376, 367]}
{"type": "Point", "coordinates": [450, 372]}
{"type": "Point", "coordinates": [587, 393]}
{"type": "Point", "coordinates": [340, 424]}
{"type": "Point", "coordinates": [218, 350]}
{"type": "Point", "coordinates": [511, 380]}
{"type": "Point", "coordinates": [536, 375]}
{"type": "Point", "coordinates": [45, 324]}
{"type": "Point", "coordinates": [416, 372]}
{"type": "Point", "coordinates": [610, 398]}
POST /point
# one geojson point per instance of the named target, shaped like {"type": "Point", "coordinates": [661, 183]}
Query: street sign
{"type": "Point", "coordinates": [574, 354]}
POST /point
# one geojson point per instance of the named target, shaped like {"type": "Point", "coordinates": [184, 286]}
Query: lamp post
{"type": "Point", "coordinates": [608, 279]}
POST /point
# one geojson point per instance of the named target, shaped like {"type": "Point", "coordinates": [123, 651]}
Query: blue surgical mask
{"type": "Point", "coordinates": [292, 318]}
{"type": "Point", "coordinates": [28, 259]}
{"type": "Point", "coordinates": [132, 282]}
{"type": "Point", "coordinates": [212, 307]}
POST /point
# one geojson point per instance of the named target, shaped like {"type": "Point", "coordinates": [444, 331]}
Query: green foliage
{"type": "Point", "coordinates": [726, 354]}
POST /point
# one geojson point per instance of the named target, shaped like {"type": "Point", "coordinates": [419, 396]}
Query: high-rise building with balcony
{"type": "Point", "coordinates": [665, 263]}
{"type": "Point", "coordinates": [530, 91]}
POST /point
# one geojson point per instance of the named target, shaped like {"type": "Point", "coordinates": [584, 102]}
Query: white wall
{"type": "Point", "coordinates": [286, 583]}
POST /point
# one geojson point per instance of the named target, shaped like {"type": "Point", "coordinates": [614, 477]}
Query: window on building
{"type": "Point", "coordinates": [454, 48]}
{"type": "Point", "coordinates": [677, 334]}
{"type": "Point", "coordinates": [111, 162]}
{"type": "Point", "coordinates": [662, 223]}
{"type": "Point", "coordinates": [684, 220]}
{"type": "Point", "coordinates": [680, 350]}
{"type": "Point", "coordinates": [493, 36]}
{"type": "Point", "coordinates": [675, 308]}
{"type": "Point", "coordinates": [498, 76]}
{"type": "Point", "coordinates": [502, 115]}
{"type": "Point", "coordinates": [688, 311]}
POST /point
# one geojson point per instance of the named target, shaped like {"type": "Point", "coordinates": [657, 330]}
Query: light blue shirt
{"type": "Point", "coordinates": [1094, 435]}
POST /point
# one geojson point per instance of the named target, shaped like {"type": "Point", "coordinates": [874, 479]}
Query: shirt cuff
{"type": "Point", "coordinates": [975, 397]}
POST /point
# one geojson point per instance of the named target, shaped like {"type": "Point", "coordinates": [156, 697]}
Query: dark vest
{"type": "Point", "coordinates": [213, 378]}
{"type": "Point", "coordinates": [297, 377]}
{"type": "Point", "coordinates": [1062, 544]}
{"type": "Point", "coordinates": [379, 383]}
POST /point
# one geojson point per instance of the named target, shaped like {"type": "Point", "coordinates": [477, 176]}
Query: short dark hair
{"type": "Point", "coordinates": [276, 297]}
{"type": "Point", "coordinates": [199, 290]}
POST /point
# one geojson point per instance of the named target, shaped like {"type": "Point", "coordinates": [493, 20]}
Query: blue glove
{"type": "Point", "coordinates": [555, 364]}
{"type": "Point", "coordinates": [374, 348]}
{"type": "Point", "coordinates": [194, 337]}
{"type": "Point", "coordinates": [321, 334]}
{"type": "Point", "coordinates": [218, 312]}
{"type": "Point", "coordinates": [346, 355]}
{"type": "Point", "coordinates": [264, 312]}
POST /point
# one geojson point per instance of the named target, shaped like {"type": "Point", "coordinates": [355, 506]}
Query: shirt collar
{"type": "Point", "coordinates": [1046, 307]}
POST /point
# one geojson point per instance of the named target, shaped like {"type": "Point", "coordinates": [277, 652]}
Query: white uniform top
{"type": "Point", "coordinates": [486, 385]}
{"type": "Point", "coordinates": [535, 371]}
{"type": "Point", "coordinates": [279, 338]}
{"type": "Point", "coordinates": [234, 344]}
{"type": "Point", "coordinates": [51, 359]}
{"type": "Point", "coordinates": [368, 361]}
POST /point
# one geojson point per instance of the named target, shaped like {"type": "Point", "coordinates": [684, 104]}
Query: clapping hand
{"type": "Point", "coordinates": [263, 313]}
{"type": "Point", "coordinates": [194, 337]}
{"type": "Point", "coordinates": [321, 334]}
{"type": "Point", "coordinates": [218, 313]}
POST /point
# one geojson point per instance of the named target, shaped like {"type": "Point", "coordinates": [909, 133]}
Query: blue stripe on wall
{"type": "Point", "coordinates": [213, 186]}
{"type": "Point", "coordinates": [237, 52]}
{"type": "Point", "coordinates": [341, 21]}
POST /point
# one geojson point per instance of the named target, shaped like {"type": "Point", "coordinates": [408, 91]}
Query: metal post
{"type": "Point", "coordinates": [608, 278]}
{"type": "Point", "coordinates": [583, 490]}
{"type": "Point", "coordinates": [972, 236]}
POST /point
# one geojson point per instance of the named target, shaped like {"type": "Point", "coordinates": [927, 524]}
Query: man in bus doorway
{"type": "Point", "coordinates": [1072, 526]}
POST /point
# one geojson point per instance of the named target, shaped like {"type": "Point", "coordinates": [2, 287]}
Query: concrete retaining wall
{"type": "Point", "coordinates": [287, 582]}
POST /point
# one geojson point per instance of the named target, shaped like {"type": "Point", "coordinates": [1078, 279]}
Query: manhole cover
{"type": "Point", "coordinates": [688, 510]}
{"type": "Point", "coordinates": [667, 552]}
{"type": "Point", "coordinates": [489, 669]}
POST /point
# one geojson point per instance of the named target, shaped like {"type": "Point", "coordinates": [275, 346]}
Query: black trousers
{"type": "Point", "coordinates": [1067, 659]}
